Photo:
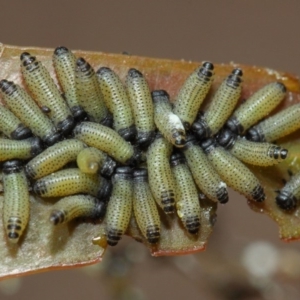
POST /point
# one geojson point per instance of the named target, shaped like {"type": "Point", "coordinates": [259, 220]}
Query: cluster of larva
{"type": "Point", "coordinates": [109, 151]}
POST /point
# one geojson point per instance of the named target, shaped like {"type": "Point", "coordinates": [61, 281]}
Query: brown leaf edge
{"type": "Point", "coordinates": [43, 248]}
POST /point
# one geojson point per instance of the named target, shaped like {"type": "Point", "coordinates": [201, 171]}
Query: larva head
{"type": "Point", "coordinates": [206, 69]}
{"type": "Point", "coordinates": [134, 73]}
{"type": "Point", "coordinates": [108, 167]}
{"type": "Point", "coordinates": [28, 61]}
{"type": "Point", "coordinates": [78, 113]}
{"type": "Point", "coordinates": [83, 66]}
{"type": "Point", "coordinates": [234, 79]}
{"type": "Point", "coordinates": [258, 194]}
{"type": "Point", "coordinates": [20, 133]}
{"type": "Point", "coordinates": [286, 200]}
{"type": "Point", "coordinates": [177, 158]}
{"type": "Point", "coordinates": [123, 173]}
{"type": "Point", "coordinates": [234, 125]}
{"type": "Point", "coordinates": [208, 145]}
{"type": "Point", "coordinates": [200, 127]}
{"type": "Point", "coordinates": [129, 133]}
{"type": "Point", "coordinates": [108, 120]}
{"type": "Point", "coordinates": [136, 157]}
{"type": "Point", "coordinates": [226, 139]}
{"type": "Point", "coordinates": [36, 146]}
{"type": "Point", "coordinates": [140, 174]}
{"type": "Point", "coordinates": [59, 51]}
{"type": "Point", "coordinates": [12, 166]}
{"type": "Point", "coordinates": [100, 210]}
{"type": "Point", "coordinates": [52, 138]}
{"type": "Point", "coordinates": [7, 87]}
{"type": "Point", "coordinates": [191, 140]}
{"type": "Point", "coordinates": [255, 134]}
{"type": "Point", "coordinates": [66, 125]}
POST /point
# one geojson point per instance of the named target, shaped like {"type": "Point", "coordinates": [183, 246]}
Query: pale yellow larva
{"type": "Point", "coordinates": [144, 207]}
{"type": "Point", "coordinates": [166, 121]}
{"type": "Point", "coordinates": [119, 207]}
{"type": "Point", "coordinates": [54, 158]}
{"type": "Point", "coordinates": [45, 93]}
{"type": "Point", "coordinates": [188, 205]}
{"type": "Point", "coordinates": [16, 200]}
{"type": "Point", "coordinates": [233, 172]}
{"type": "Point", "coordinates": [192, 93]}
{"type": "Point", "coordinates": [161, 180]}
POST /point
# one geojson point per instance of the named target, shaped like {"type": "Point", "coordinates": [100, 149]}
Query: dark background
{"type": "Point", "coordinates": [263, 33]}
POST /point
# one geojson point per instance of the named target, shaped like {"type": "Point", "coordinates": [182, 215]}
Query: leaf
{"type": "Point", "coordinates": [44, 247]}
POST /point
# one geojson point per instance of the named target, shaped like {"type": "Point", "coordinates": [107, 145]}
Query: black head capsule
{"type": "Point", "coordinates": [192, 94]}
{"type": "Point", "coordinates": [117, 101]}
{"type": "Point", "coordinates": [89, 93]}
{"type": "Point", "coordinates": [120, 205]}
{"type": "Point", "coordinates": [259, 105]}
{"type": "Point", "coordinates": [289, 195]}
{"type": "Point", "coordinates": [64, 62]}
{"type": "Point", "coordinates": [45, 93]}
{"type": "Point", "coordinates": [141, 103]}
{"type": "Point", "coordinates": [188, 205]}
{"type": "Point", "coordinates": [221, 106]}
{"type": "Point", "coordinates": [166, 121]}
{"type": "Point", "coordinates": [144, 207]}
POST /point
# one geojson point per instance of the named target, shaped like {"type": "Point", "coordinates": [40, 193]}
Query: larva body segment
{"type": "Point", "coordinates": [89, 94]}
{"type": "Point", "coordinates": [107, 140]}
{"type": "Point", "coordinates": [24, 149]}
{"type": "Point", "coordinates": [119, 206]}
{"type": "Point", "coordinates": [188, 205]}
{"type": "Point", "coordinates": [11, 126]}
{"type": "Point", "coordinates": [54, 158]}
{"type": "Point", "coordinates": [45, 93]}
{"type": "Point", "coordinates": [259, 154]}
{"type": "Point", "coordinates": [144, 207]}
{"type": "Point", "coordinates": [141, 103]}
{"type": "Point", "coordinates": [72, 207]}
{"type": "Point", "coordinates": [91, 160]}
{"type": "Point", "coordinates": [64, 62]}
{"type": "Point", "coordinates": [221, 106]}
{"type": "Point", "coordinates": [233, 172]}
{"type": "Point", "coordinates": [205, 176]}
{"type": "Point", "coordinates": [161, 180]}
{"type": "Point", "coordinates": [259, 105]}
{"type": "Point", "coordinates": [117, 101]}
{"type": "Point", "coordinates": [275, 127]}
{"type": "Point", "coordinates": [289, 195]}
{"type": "Point", "coordinates": [192, 94]}
{"type": "Point", "coordinates": [166, 121]}
{"type": "Point", "coordinates": [67, 182]}
{"type": "Point", "coordinates": [24, 107]}
{"type": "Point", "coordinates": [16, 200]}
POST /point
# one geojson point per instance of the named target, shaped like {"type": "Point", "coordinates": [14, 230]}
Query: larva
{"type": "Point", "coordinates": [290, 194]}
{"type": "Point", "coordinates": [259, 105]}
{"type": "Point", "coordinates": [141, 103]}
{"type": "Point", "coordinates": [24, 107]}
{"type": "Point", "coordinates": [233, 172]}
{"type": "Point", "coordinates": [45, 93]}
{"type": "Point", "coordinates": [205, 176]}
{"type": "Point", "coordinates": [192, 94]}
{"type": "Point", "coordinates": [67, 182]}
{"type": "Point", "coordinates": [161, 180]}
{"type": "Point", "coordinates": [116, 100]}
{"type": "Point", "coordinates": [89, 94]}
{"type": "Point", "coordinates": [119, 206]}
{"type": "Point", "coordinates": [260, 154]}
{"type": "Point", "coordinates": [64, 62]}
{"type": "Point", "coordinates": [91, 160]}
{"type": "Point", "coordinates": [166, 121]}
{"type": "Point", "coordinates": [107, 140]}
{"type": "Point", "coordinates": [188, 205]}
{"type": "Point", "coordinates": [24, 149]}
{"type": "Point", "coordinates": [72, 207]}
{"type": "Point", "coordinates": [220, 107]}
{"type": "Point", "coordinates": [16, 200]}
{"type": "Point", "coordinates": [11, 126]}
{"type": "Point", "coordinates": [277, 126]}
{"type": "Point", "coordinates": [144, 207]}
{"type": "Point", "coordinates": [54, 158]}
